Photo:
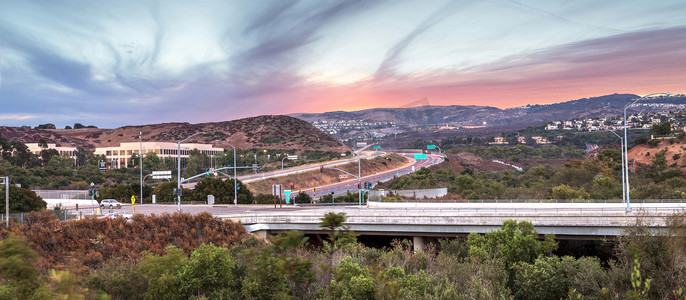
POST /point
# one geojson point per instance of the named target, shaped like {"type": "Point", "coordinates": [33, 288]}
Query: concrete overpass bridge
{"type": "Point", "coordinates": [423, 220]}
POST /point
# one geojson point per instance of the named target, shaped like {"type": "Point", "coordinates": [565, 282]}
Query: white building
{"type": "Point", "coordinates": [64, 151]}
{"type": "Point", "coordinates": [118, 157]}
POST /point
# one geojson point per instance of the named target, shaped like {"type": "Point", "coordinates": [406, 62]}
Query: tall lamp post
{"type": "Point", "coordinates": [178, 175]}
{"type": "Point", "coordinates": [140, 162]}
{"type": "Point", "coordinates": [235, 190]}
{"type": "Point", "coordinates": [621, 143]}
{"type": "Point", "coordinates": [359, 176]}
{"type": "Point", "coordinates": [626, 148]}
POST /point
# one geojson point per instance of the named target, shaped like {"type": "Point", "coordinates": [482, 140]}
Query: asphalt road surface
{"type": "Point", "coordinates": [351, 185]}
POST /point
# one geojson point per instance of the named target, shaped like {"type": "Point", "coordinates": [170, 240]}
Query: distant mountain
{"type": "Point", "coordinates": [265, 132]}
{"type": "Point", "coordinates": [459, 115]}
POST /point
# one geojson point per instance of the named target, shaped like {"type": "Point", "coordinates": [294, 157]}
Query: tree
{"type": "Point", "coordinates": [46, 126]}
{"type": "Point", "coordinates": [17, 269]}
{"type": "Point", "coordinates": [78, 126]}
{"type": "Point", "coordinates": [302, 197]}
{"type": "Point", "coordinates": [80, 155]}
{"type": "Point", "coordinates": [277, 271]}
{"type": "Point", "coordinates": [565, 192]}
{"type": "Point", "coordinates": [222, 190]}
{"type": "Point", "coordinates": [133, 161]}
{"type": "Point", "coordinates": [211, 272]}
{"type": "Point", "coordinates": [22, 200]}
{"type": "Point", "coordinates": [196, 163]}
{"type": "Point", "coordinates": [514, 242]}
{"type": "Point", "coordinates": [47, 154]}
{"type": "Point", "coordinates": [42, 143]}
{"type": "Point", "coordinates": [119, 191]}
{"type": "Point", "coordinates": [661, 129]}
{"type": "Point", "coordinates": [162, 272]}
{"type": "Point", "coordinates": [151, 162]}
{"type": "Point", "coordinates": [165, 192]}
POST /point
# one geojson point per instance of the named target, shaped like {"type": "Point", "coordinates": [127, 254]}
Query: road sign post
{"type": "Point", "coordinates": [277, 189]}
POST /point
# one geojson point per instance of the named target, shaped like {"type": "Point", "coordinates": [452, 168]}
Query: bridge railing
{"type": "Point", "coordinates": [534, 201]}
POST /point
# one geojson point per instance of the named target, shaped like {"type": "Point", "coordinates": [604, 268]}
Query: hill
{"type": "Point", "coordinates": [265, 132]}
{"type": "Point", "coordinates": [518, 117]}
{"type": "Point", "coordinates": [675, 153]}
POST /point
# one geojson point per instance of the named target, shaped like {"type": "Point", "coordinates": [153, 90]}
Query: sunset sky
{"type": "Point", "coordinates": [115, 63]}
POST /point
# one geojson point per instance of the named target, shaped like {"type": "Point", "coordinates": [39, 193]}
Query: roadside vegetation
{"type": "Point", "coordinates": [198, 257]}
{"type": "Point", "coordinates": [596, 177]}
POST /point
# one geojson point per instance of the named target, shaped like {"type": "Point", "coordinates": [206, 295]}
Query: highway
{"type": "Point", "coordinates": [297, 169]}
{"type": "Point", "coordinates": [342, 188]}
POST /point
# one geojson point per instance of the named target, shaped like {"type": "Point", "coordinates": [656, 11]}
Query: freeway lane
{"type": "Point", "coordinates": [351, 185]}
{"type": "Point", "coordinates": [293, 170]}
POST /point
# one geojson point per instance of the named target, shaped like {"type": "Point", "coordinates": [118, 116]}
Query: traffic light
{"type": "Point", "coordinates": [321, 169]}
{"type": "Point", "coordinates": [238, 185]}
{"type": "Point", "coordinates": [292, 186]}
{"type": "Point", "coordinates": [314, 190]}
{"type": "Point", "coordinates": [359, 186]}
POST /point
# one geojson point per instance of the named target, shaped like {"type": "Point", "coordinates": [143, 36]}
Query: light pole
{"type": "Point", "coordinates": [140, 162]}
{"type": "Point", "coordinates": [621, 143]}
{"type": "Point", "coordinates": [626, 149]}
{"type": "Point", "coordinates": [6, 180]}
{"type": "Point", "coordinates": [235, 191]}
{"type": "Point", "coordinates": [178, 172]}
{"type": "Point", "coordinates": [359, 177]}
{"type": "Point", "coordinates": [290, 157]}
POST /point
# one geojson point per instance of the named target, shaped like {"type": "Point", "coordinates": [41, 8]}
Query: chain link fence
{"type": "Point", "coordinates": [63, 194]}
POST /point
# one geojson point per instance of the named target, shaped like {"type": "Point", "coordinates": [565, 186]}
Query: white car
{"type": "Point", "coordinates": [111, 203]}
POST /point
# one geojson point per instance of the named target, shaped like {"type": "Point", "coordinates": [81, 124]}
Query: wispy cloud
{"type": "Point", "coordinates": [113, 64]}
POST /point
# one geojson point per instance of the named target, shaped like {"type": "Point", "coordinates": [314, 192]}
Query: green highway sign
{"type": "Point", "coordinates": [377, 147]}
{"type": "Point", "coordinates": [420, 156]}
{"type": "Point", "coordinates": [431, 147]}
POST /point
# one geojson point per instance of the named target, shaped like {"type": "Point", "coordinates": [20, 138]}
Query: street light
{"type": "Point", "coordinates": [359, 176]}
{"type": "Point", "coordinates": [235, 190]}
{"type": "Point", "coordinates": [6, 180]}
{"type": "Point", "coordinates": [626, 149]}
{"type": "Point", "coordinates": [621, 143]}
{"type": "Point", "coordinates": [140, 162]}
{"type": "Point", "coordinates": [178, 175]}
{"type": "Point", "coordinates": [292, 157]}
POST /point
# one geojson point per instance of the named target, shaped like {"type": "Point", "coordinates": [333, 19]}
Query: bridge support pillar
{"type": "Point", "coordinates": [418, 243]}
{"type": "Point", "coordinates": [261, 233]}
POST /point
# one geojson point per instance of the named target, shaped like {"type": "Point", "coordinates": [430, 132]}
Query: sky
{"type": "Point", "coordinates": [115, 63]}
